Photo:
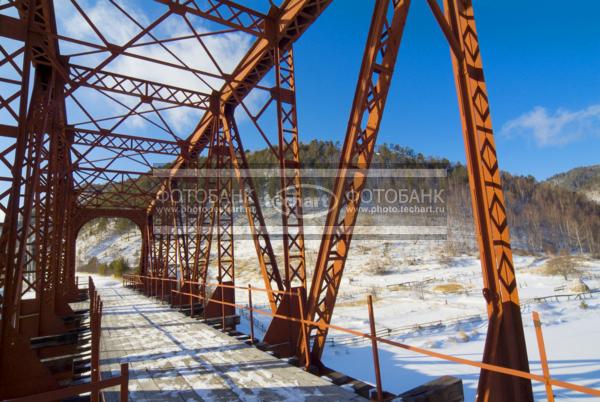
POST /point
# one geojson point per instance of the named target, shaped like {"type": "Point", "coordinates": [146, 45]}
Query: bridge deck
{"type": "Point", "coordinates": [174, 357]}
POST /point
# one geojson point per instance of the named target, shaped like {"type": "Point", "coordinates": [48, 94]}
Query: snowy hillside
{"type": "Point", "coordinates": [108, 244]}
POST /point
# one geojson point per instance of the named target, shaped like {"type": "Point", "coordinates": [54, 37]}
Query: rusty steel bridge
{"type": "Point", "coordinates": [61, 173]}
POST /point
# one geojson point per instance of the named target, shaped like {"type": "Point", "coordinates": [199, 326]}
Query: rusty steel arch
{"type": "Point", "coordinates": [63, 172]}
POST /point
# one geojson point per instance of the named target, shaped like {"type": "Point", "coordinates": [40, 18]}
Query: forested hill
{"type": "Point", "coordinates": [543, 216]}
{"type": "Point", "coordinates": [327, 153]}
{"type": "Point", "coordinates": [584, 180]}
{"type": "Point", "coordinates": [552, 216]}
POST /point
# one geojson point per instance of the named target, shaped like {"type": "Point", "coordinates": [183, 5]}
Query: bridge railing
{"type": "Point", "coordinates": [305, 324]}
{"type": "Point", "coordinates": [97, 384]}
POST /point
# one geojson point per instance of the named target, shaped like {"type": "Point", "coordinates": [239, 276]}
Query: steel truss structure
{"type": "Point", "coordinates": [70, 162]}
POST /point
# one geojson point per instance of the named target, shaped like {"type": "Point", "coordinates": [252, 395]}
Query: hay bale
{"type": "Point", "coordinates": [462, 337]}
{"type": "Point", "coordinates": [449, 288]}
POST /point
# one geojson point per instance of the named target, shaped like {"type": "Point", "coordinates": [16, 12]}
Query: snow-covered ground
{"type": "Point", "coordinates": [571, 331]}
{"type": "Point", "coordinates": [411, 303]}
{"type": "Point", "coordinates": [429, 298]}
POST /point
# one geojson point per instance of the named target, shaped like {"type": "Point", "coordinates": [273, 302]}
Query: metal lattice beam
{"type": "Point", "coordinates": [365, 117]}
{"type": "Point", "coordinates": [147, 91]}
{"type": "Point", "coordinates": [224, 12]}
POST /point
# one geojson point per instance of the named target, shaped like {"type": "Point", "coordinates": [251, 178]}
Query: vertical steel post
{"type": "Point", "coordinates": [124, 388]}
{"type": "Point", "coordinates": [505, 342]}
{"type": "Point", "coordinates": [191, 290]}
{"type": "Point", "coordinates": [220, 285]}
{"type": "Point", "coordinates": [11, 273]}
{"type": "Point", "coordinates": [251, 311]}
{"type": "Point", "coordinates": [289, 170]}
{"type": "Point", "coordinates": [543, 358]}
{"type": "Point", "coordinates": [374, 348]}
{"type": "Point", "coordinates": [224, 206]}
{"type": "Point", "coordinates": [304, 334]}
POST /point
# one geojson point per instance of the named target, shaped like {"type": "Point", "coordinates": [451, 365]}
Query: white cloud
{"type": "Point", "coordinates": [114, 26]}
{"type": "Point", "coordinates": [555, 129]}
{"type": "Point", "coordinates": [227, 49]}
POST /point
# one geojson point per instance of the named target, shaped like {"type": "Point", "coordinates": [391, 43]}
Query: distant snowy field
{"type": "Point", "coordinates": [414, 283]}
{"type": "Point", "coordinates": [571, 332]}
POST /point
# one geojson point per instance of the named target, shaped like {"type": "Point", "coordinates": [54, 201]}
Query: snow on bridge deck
{"type": "Point", "coordinates": [176, 358]}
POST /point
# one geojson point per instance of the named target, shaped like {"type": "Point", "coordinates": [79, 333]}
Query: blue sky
{"type": "Point", "coordinates": [536, 54]}
{"type": "Point", "coordinates": [541, 60]}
